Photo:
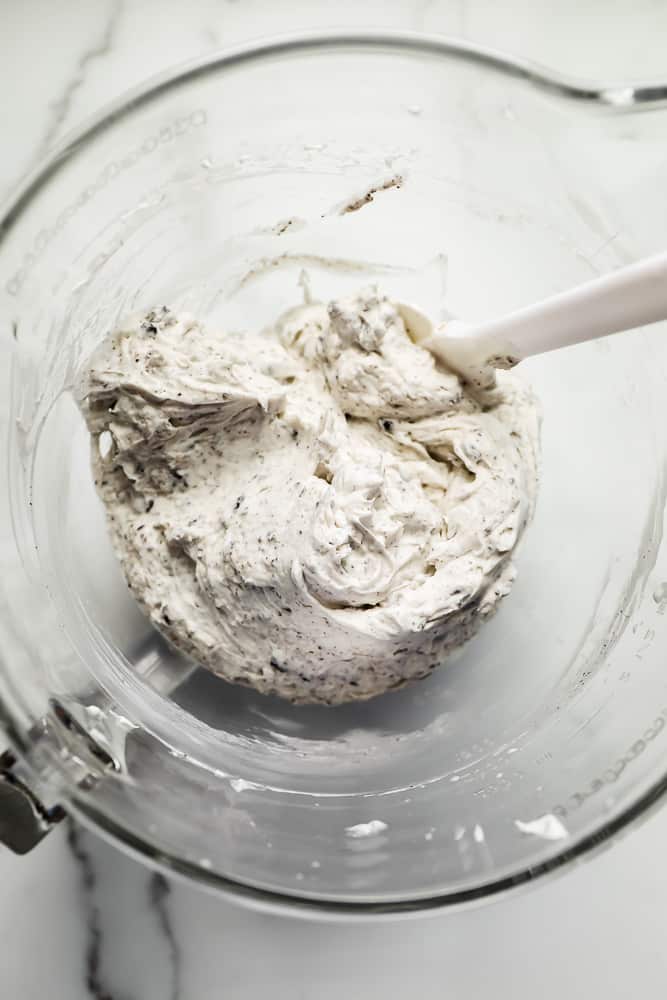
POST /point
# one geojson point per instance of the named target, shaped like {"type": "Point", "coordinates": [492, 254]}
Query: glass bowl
{"type": "Point", "coordinates": [443, 173]}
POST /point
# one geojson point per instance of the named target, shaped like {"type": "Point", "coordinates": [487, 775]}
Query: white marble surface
{"type": "Point", "coordinates": [77, 918]}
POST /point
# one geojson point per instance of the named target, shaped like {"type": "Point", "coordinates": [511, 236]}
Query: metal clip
{"type": "Point", "coordinates": [24, 819]}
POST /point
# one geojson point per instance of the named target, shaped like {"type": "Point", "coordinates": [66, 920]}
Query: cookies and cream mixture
{"type": "Point", "coordinates": [318, 510]}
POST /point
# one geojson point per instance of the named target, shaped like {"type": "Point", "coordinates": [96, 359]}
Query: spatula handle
{"type": "Point", "coordinates": [632, 296]}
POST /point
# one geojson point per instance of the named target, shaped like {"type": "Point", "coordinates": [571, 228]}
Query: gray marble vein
{"type": "Point", "coordinates": [94, 941]}
{"type": "Point", "coordinates": [100, 915]}
{"type": "Point", "coordinates": [158, 894]}
{"type": "Point", "coordinates": [100, 48]}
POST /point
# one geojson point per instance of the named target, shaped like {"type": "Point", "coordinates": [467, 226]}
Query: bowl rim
{"type": "Point", "coordinates": [315, 908]}
{"type": "Point", "coordinates": [619, 96]}
{"type": "Point", "coordinates": [612, 97]}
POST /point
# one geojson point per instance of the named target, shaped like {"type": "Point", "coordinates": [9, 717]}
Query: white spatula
{"type": "Point", "coordinates": [627, 298]}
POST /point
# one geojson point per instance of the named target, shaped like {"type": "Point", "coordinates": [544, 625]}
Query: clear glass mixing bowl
{"type": "Point", "coordinates": [443, 173]}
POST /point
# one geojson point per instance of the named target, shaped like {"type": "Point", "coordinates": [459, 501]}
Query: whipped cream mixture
{"type": "Point", "coordinates": [318, 511]}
